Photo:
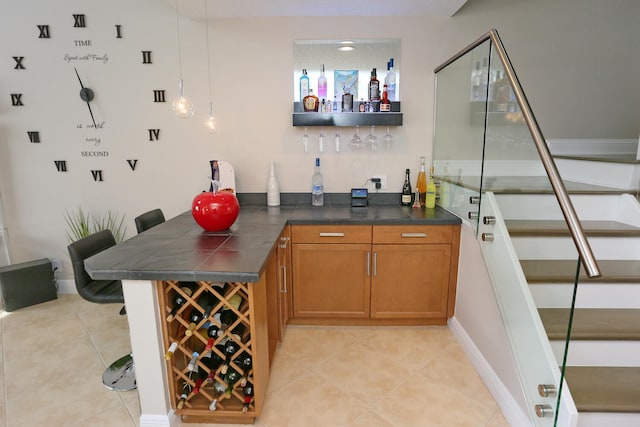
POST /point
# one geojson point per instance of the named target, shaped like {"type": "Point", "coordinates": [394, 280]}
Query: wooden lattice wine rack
{"type": "Point", "coordinates": [191, 404]}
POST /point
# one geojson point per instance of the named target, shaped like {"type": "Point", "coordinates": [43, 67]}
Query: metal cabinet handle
{"type": "Point", "coordinates": [284, 241]}
{"type": "Point", "coordinates": [413, 234]}
{"type": "Point", "coordinates": [331, 234]}
{"type": "Point", "coordinates": [368, 264]}
{"type": "Point", "coordinates": [284, 280]}
{"type": "Point", "coordinates": [375, 264]}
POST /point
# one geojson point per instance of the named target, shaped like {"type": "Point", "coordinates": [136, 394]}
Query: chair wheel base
{"type": "Point", "coordinates": [120, 375]}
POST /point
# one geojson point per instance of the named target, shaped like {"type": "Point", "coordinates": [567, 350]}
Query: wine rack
{"type": "Point", "coordinates": [189, 402]}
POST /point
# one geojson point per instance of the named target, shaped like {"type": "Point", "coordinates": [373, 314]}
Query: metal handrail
{"type": "Point", "coordinates": [570, 216]}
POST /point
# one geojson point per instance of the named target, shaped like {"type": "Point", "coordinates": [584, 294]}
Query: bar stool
{"type": "Point", "coordinates": [120, 375]}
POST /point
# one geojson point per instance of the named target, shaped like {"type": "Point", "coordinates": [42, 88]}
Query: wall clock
{"type": "Point", "coordinates": [86, 58]}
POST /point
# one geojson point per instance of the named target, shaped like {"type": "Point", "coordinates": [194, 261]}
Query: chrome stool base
{"type": "Point", "coordinates": [120, 375]}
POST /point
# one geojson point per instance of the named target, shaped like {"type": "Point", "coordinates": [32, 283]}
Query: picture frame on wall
{"type": "Point", "coordinates": [345, 80]}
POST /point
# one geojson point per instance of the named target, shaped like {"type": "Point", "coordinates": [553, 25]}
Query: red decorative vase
{"type": "Point", "coordinates": [215, 211]}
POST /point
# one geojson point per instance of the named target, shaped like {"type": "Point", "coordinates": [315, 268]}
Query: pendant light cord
{"type": "Point", "coordinates": [178, 32]}
{"type": "Point", "coordinates": [206, 17]}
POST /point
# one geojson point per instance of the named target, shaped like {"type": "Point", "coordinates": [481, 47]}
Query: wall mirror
{"type": "Point", "coordinates": [343, 61]}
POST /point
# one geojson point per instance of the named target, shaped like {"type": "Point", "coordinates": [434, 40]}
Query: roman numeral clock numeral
{"type": "Point", "coordinates": [118, 31]}
{"type": "Point", "coordinates": [146, 57]}
{"type": "Point", "coordinates": [44, 32]}
{"type": "Point", "coordinates": [158, 96]}
{"type": "Point", "coordinates": [97, 175]}
{"type": "Point", "coordinates": [79, 20]}
{"type": "Point", "coordinates": [16, 100]}
{"type": "Point", "coordinates": [19, 65]}
{"type": "Point", "coordinates": [61, 165]}
{"type": "Point", "coordinates": [132, 163]}
{"type": "Point", "coordinates": [34, 136]}
{"type": "Point", "coordinates": [154, 134]}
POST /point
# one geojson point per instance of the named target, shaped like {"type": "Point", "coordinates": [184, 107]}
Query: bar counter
{"type": "Point", "coordinates": [179, 250]}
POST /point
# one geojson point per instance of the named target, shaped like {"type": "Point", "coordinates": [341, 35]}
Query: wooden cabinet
{"type": "Point", "coordinates": [381, 273]}
{"type": "Point", "coordinates": [331, 266]}
{"type": "Point", "coordinates": [411, 271]}
{"type": "Point", "coordinates": [278, 282]}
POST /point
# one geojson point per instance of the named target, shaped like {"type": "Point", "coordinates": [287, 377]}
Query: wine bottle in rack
{"type": "Point", "coordinates": [231, 378]}
{"type": "Point", "coordinates": [245, 362]}
{"type": "Point", "coordinates": [207, 301]}
{"type": "Point", "coordinates": [220, 389]}
{"type": "Point", "coordinates": [202, 375]}
{"type": "Point", "coordinates": [213, 332]}
{"type": "Point", "coordinates": [227, 315]}
{"type": "Point", "coordinates": [214, 363]}
{"type": "Point", "coordinates": [178, 300]}
{"type": "Point", "coordinates": [232, 345]}
{"type": "Point", "coordinates": [172, 349]}
{"type": "Point", "coordinates": [248, 396]}
{"type": "Point", "coordinates": [187, 388]}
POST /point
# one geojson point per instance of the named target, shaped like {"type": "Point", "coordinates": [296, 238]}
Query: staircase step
{"type": "Point", "coordinates": [602, 324]}
{"type": "Point", "coordinates": [604, 389]}
{"type": "Point", "coordinates": [531, 228]}
{"type": "Point", "coordinates": [563, 271]}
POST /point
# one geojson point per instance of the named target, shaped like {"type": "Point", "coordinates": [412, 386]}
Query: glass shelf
{"type": "Point", "coordinates": [392, 118]}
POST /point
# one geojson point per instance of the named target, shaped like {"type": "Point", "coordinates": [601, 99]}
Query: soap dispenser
{"type": "Point", "coordinates": [273, 189]}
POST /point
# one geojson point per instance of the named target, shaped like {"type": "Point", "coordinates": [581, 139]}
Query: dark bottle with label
{"type": "Point", "coordinates": [214, 362]}
{"type": "Point", "coordinates": [248, 396]}
{"type": "Point", "coordinates": [179, 299]}
{"type": "Point", "coordinates": [385, 104]}
{"type": "Point", "coordinates": [347, 100]}
{"type": "Point", "coordinates": [406, 199]}
{"type": "Point", "coordinates": [374, 91]}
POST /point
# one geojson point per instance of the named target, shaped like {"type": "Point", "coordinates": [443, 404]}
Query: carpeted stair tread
{"type": "Point", "coordinates": [564, 271]}
{"type": "Point", "coordinates": [604, 389]}
{"type": "Point", "coordinates": [601, 324]}
{"type": "Point", "coordinates": [542, 228]}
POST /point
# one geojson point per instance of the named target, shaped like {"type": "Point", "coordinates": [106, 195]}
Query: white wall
{"type": "Point", "coordinates": [252, 94]}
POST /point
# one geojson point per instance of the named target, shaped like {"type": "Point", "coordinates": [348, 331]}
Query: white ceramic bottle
{"type": "Point", "coordinates": [273, 189]}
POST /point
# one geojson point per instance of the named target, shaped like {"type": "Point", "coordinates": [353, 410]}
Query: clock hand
{"type": "Point", "coordinates": [86, 94]}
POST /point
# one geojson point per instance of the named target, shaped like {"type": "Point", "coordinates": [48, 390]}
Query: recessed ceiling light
{"type": "Point", "coordinates": [346, 48]}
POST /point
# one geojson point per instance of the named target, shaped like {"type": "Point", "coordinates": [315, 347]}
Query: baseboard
{"type": "Point", "coordinates": [508, 405]}
{"type": "Point", "coordinates": [169, 420]}
{"type": "Point", "coordinates": [66, 287]}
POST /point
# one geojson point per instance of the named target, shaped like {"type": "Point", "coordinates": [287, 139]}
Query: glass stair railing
{"type": "Point", "coordinates": [495, 171]}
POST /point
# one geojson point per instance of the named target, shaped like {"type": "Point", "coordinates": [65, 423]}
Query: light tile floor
{"type": "Point", "coordinates": [53, 356]}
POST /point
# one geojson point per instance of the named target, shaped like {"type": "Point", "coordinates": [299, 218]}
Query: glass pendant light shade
{"type": "Point", "coordinates": [210, 123]}
{"type": "Point", "coordinates": [182, 107]}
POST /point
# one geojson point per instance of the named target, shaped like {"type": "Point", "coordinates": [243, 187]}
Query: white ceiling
{"type": "Point", "coordinates": [194, 9]}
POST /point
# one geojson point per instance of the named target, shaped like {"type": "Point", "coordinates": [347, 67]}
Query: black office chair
{"type": "Point", "coordinates": [120, 375]}
{"type": "Point", "coordinates": [149, 219]}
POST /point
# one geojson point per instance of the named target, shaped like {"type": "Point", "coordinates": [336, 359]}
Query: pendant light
{"type": "Point", "coordinates": [210, 124]}
{"type": "Point", "coordinates": [182, 107]}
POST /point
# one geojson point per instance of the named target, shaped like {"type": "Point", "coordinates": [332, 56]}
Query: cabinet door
{"type": "Point", "coordinates": [410, 281]}
{"type": "Point", "coordinates": [331, 281]}
{"type": "Point", "coordinates": [284, 280]}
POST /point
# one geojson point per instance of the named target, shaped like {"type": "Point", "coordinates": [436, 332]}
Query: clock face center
{"type": "Point", "coordinates": [86, 94]}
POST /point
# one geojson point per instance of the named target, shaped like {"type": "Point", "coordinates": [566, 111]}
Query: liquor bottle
{"type": "Point", "coordinates": [178, 300]}
{"type": "Point", "coordinates": [502, 90]}
{"type": "Point", "coordinates": [206, 301]}
{"type": "Point", "coordinates": [335, 105]}
{"type": "Point", "coordinates": [390, 81]}
{"type": "Point", "coordinates": [407, 196]}
{"type": "Point", "coordinates": [430, 200]}
{"type": "Point", "coordinates": [347, 100]}
{"type": "Point", "coordinates": [385, 104]}
{"type": "Point", "coordinates": [322, 85]}
{"type": "Point", "coordinates": [475, 82]}
{"type": "Point", "coordinates": [273, 189]}
{"type": "Point", "coordinates": [323, 106]}
{"type": "Point", "coordinates": [374, 91]}
{"type": "Point", "coordinates": [304, 85]}
{"type": "Point", "coordinates": [361, 107]}
{"type": "Point", "coordinates": [248, 396]}
{"type": "Point", "coordinates": [421, 186]}
{"type": "Point", "coordinates": [317, 189]}
{"type": "Point", "coordinates": [310, 102]}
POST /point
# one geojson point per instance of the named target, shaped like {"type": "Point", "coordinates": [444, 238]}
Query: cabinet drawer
{"type": "Point", "coordinates": [412, 234]}
{"type": "Point", "coordinates": [331, 234]}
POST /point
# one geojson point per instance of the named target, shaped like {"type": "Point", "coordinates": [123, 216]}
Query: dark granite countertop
{"type": "Point", "coordinates": [179, 249]}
